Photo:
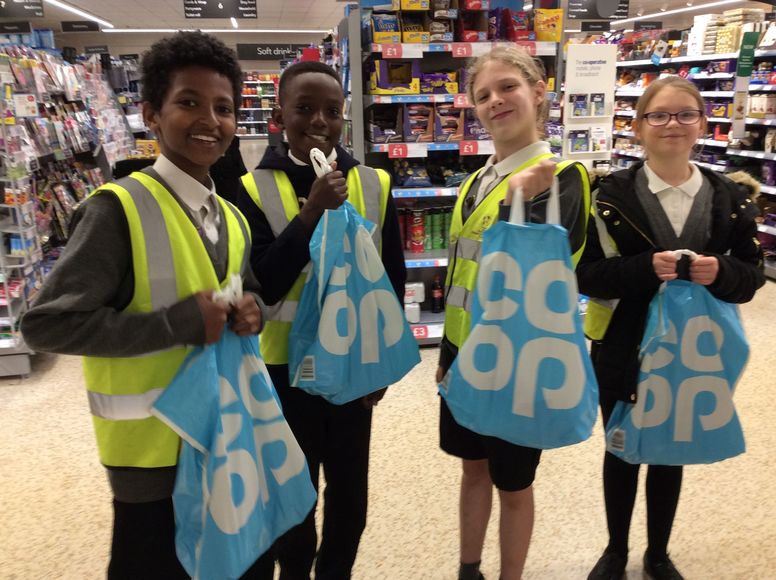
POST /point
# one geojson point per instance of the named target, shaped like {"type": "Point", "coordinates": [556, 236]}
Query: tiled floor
{"type": "Point", "coordinates": [55, 506]}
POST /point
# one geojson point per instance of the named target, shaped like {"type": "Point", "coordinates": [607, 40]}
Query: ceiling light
{"type": "Point", "coordinates": [640, 13]}
{"type": "Point", "coordinates": [527, 6]}
{"type": "Point", "coordinates": [663, 9]}
{"type": "Point", "coordinates": [79, 12]}
{"type": "Point", "coordinates": [233, 20]}
{"type": "Point", "coordinates": [676, 11]}
{"type": "Point", "coordinates": [220, 30]}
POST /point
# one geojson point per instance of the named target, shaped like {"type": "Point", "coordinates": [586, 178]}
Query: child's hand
{"type": "Point", "coordinates": [213, 315]}
{"type": "Point", "coordinates": [704, 270]}
{"type": "Point", "coordinates": [327, 192]}
{"type": "Point", "coordinates": [664, 264]}
{"type": "Point", "coordinates": [246, 316]}
{"type": "Point", "coordinates": [534, 180]}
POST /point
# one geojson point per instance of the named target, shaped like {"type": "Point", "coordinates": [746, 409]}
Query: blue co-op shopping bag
{"type": "Point", "coordinates": [523, 374]}
{"type": "Point", "coordinates": [692, 355]}
{"type": "Point", "coordinates": [242, 479]}
{"type": "Point", "coordinates": [350, 337]}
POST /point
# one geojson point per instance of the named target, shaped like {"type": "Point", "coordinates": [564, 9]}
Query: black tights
{"type": "Point", "coordinates": [620, 484]}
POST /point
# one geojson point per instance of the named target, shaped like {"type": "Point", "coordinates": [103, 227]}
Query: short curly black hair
{"type": "Point", "coordinates": [300, 68]}
{"type": "Point", "coordinates": [185, 49]}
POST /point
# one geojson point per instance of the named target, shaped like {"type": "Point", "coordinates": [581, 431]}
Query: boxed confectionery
{"type": "Point", "coordinates": [418, 123]}
{"type": "Point", "coordinates": [415, 28]}
{"type": "Point", "coordinates": [719, 109]}
{"type": "Point", "coordinates": [414, 5]}
{"type": "Point", "coordinates": [474, 4]}
{"type": "Point", "coordinates": [384, 124]}
{"type": "Point", "coordinates": [448, 123]}
{"type": "Point", "coordinates": [548, 24]}
{"type": "Point", "coordinates": [506, 24]}
{"type": "Point", "coordinates": [386, 28]}
{"type": "Point", "coordinates": [439, 83]}
{"type": "Point", "coordinates": [472, 129]}
{"type": "Point", "coordinates": [394, 77]}
{"type": "Point", "coordinates": [440, 30]}
{"type": "Point", "coordinates": [472, 26]}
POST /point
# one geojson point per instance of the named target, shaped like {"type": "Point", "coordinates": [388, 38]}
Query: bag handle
{"type": "Point", "coordinates": [517, 211]}
{"type": "Point", "coordinates": [319, 162]}
{"type": "Point", "coordinates": [679, 253]}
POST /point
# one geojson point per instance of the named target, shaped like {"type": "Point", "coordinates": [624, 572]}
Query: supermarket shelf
{"type": "Point", "coordinates": [258, 82]}
{"type": "Point", "coordinates": [467, 49]}
{"type": "Point", "coordinates": [626, 153]}
{"type": "Point", "coordinates": [485, 147]}
{"type": "Point", "coordinates": [751, 121]}
{"type": "Point", "coordinates": [713, 143]}
{"type": "Point", "coordinates": [770, 230]}
{"type": "Point", "coordinates": [411, 192]}
{"type": "Point", "coordinates": [251, 122]}
{"type": "Point", "coordinates": [625, 113]}
{"type": "Point", "coordinates": [624, 133]}
{"type": "Point", "coordinates": [256, 108]}
{"type": "Point", "coordinates": [725, 94]}
{"type": "Point", "coordinates": [712, 166]}
{"type": "Point", "coordinates": [754, 154]}
{"type": "Point", "coordinates": [8, 227]}
{"type": "Point", "coordinates": [430, 328]}
{"type": "Point", "coordinates": [698, 58]}
{"type": "Point", "coordinates": [432, 259]}
{"type": "Point", "coordinates": [628, 92]}
{"type": "Point", "coordinates": [770, 269]}
{"type": "Point", "coordinates": [711, 77]}
{"type": "Point", "coordinates": [762, 88]}
{"type": "Point", "coordinates": [256, 136]}
{"type": "Point", "coordinates": [767, 189]}
{"type": "Point", "coordinates": [718, 120]}
{"type": "Point", "coordinates": [392, 99]}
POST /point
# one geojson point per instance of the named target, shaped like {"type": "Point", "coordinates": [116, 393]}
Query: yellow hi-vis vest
{"type": "Point", "coordinates": [272, 192]}
{"type": "Point", "coordinates": [170, 263]}
{"type": "Point", "coordinates": [465, 246]}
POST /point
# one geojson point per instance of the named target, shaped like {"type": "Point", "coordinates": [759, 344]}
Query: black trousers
{"type": "Point", "coordinates": [621, 478]}
{"type": "Point", "coordinates": [144, 545]}
{"type": "Point", "coordinates": [335, 437]}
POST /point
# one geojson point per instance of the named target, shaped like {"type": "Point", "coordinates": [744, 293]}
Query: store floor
{"type": "Point", "coordinates": [55, 514]}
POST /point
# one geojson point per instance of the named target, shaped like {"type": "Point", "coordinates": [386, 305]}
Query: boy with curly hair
{"type": "Point", "coordinates": [134, 291]}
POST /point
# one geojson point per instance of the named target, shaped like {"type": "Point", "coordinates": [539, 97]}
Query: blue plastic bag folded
{"type": "Point", "coordinates": [242, 479]}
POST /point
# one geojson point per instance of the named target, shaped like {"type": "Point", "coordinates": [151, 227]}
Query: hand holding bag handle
{"type": "Point", "coordinates": [517, 211]}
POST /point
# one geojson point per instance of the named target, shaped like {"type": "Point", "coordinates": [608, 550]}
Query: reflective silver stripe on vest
{"type": "Point", "coordinates": [271, 202]}
{"type": "Point", "coordinates": [460, 297]}
{"type": "Point", "coordinates": [283, 311]}
{"type": "Point", "coordinates": [468, 249]}
{"type": "Point", "coordinates": [159, 259]}
{"type": "Point", "coordinates": [246, 237]}
{"type": "Point", "coordinates": [371, 190]}
{"type": "Point", "coordinates": [123, 407]}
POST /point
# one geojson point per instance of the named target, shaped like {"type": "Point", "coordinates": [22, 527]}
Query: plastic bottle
{"type": "Point", "coordinates": [437, 295]}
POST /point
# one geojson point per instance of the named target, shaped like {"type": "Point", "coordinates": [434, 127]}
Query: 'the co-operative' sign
{"type": "Point", "coordinates": [219, 8]}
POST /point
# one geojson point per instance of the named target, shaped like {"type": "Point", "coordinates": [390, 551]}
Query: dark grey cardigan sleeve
{"type": "Point", "coordinates": [79, 308]}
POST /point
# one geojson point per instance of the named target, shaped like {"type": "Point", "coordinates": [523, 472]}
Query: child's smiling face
{"type": "Point", "coordinates": [506, 103]}
{"type": "Point", "coordinates": [196, 122]}
{"type": "Point", "coordinates": [311, 113]}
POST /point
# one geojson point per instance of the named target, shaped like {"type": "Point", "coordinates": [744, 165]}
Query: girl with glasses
{"type": "Point", "coordinates": [641, 215]}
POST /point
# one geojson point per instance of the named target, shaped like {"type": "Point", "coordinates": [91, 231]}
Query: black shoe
{"type": "Point", "coordinates": [662, 569]}
{"type": "Point", "coordinates": [610, 566]}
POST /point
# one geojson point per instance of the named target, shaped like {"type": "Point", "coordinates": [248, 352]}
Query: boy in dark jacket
{"type": "Point", "coordinates": [283, 201]}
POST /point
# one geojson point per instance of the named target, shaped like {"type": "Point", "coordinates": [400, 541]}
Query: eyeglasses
{"type": "Point", "coordinates": [660, 118]}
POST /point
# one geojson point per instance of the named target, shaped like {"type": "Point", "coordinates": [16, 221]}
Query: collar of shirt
{"type": "Point", "coordinates": [189, 190]}
{"type": "Point", "coordinates": [518, 158]}
{"type": "Point", "coordinates": [691, 187]}
{"type": "Point", "coordinates": [330, 159]}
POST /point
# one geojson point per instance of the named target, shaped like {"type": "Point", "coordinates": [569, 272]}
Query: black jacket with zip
{"type": "Point", "coordinates": [630, 276]}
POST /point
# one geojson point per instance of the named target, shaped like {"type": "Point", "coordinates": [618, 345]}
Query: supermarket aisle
{"type": "Point", "coordinates": [55, 513]}
{"type": "Point", "coordinates": [252, 150]}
